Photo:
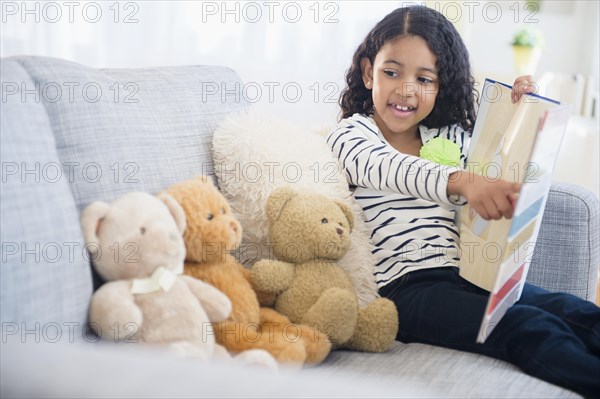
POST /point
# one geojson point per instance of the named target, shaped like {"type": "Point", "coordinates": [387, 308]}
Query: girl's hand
{"type": "Point", "coordinates": [490, 199]}
{"type": "Point", "coordinates": [522, 85]}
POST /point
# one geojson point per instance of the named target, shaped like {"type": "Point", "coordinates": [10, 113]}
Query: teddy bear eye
{"type": "Point", "coordinates": [210, 216]}
{"type": "Point", "coordinates": [142, 230]}
{"type": "Point", "coordinates": [324, 220]}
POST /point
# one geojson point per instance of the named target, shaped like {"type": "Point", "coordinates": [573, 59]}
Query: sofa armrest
{"type": "Point", "coordinates": [567, 256]}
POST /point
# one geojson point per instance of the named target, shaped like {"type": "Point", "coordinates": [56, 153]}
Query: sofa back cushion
{"type": "Point", "coordinates": [89, 134]}
{"type": "Point", "coordinates": [45, 276]}
{"type": "Point", "coordinates": [121, 130]}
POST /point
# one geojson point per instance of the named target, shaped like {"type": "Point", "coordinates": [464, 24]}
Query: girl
{"type": "Point", "coordinates": [410, 82]}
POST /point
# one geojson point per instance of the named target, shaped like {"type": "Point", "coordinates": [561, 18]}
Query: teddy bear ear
{"type": "Point", "coordinates": [347, 212]}
{"type": "Point", "coordinates": [91, 219]}
{"type": "Point", "coordinates": [175, 209]}
{"type": "Point", "coordinates": [277, 200]}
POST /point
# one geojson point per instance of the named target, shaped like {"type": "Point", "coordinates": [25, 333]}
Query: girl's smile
{"type": "Point", "coordinates": [402, 109]}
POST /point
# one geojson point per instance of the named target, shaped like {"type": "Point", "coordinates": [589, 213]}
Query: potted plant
{"type": "Point", "coordinates": [527, 48]}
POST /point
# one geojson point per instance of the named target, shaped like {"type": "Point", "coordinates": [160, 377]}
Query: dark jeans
{"type": "Point", "coordinates": [551, 336]}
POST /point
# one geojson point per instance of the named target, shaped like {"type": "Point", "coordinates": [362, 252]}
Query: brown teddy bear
{"type": "Point", "coordinates": [309, 233]}
{"type": "Point", "coordinates": [213, 231]}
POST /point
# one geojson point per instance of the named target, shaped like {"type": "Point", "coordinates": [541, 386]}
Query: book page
{"type": "Point", "coordinates": [526, 223]}
{"type": "Point", "coordinates": [518, 143]}
{"type": "Point", "coordinates": [503, 140]}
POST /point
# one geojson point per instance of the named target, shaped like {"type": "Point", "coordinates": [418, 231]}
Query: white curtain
{"type": "Point", "coordinates": [292, 56]}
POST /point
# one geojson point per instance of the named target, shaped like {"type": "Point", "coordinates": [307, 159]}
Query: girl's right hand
{"type": "Point", "coordinates": [490, 199]}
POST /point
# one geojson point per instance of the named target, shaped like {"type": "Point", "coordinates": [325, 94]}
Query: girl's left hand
{"type": "Point", "coordinates": [522, 85]}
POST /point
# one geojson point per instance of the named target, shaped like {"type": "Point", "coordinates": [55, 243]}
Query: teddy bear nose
{"type": "Point", "coordinates": [339, 230]}
{"type": "Point", "coordinates": [233, 226]}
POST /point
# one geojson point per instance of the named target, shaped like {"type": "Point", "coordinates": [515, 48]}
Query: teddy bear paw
{"type": "Point", "coordinates": [257, 357]}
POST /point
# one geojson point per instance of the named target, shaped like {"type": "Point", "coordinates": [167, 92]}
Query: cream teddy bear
{"type": "Point", "coordinates": [309, 234]}
{"type": "Point", "coordinates": [137, 246]}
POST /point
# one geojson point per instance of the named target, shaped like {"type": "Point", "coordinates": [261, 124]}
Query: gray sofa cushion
{"type": "Point", "coordinates": [120, 130]}
{"type": "Point", "coordinates": [45, 278]}
{"type": "Point", "coordinates": [455, 374]}
{"type": "Point", "coordinates": [570, 232]}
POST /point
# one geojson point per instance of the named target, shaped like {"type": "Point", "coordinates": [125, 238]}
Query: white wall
{"type": "Point", "coordinates": [570, 29]}
{"type": "Point", "coordinates": [311, 51]}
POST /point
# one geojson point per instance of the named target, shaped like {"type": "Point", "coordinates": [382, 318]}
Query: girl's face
{"type": "Point", "coordinates": [404, 84]}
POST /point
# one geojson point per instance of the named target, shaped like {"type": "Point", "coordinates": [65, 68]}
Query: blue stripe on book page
{"type": "Point", "coordinates": [527, 94]}
{"type": "Point", "coordinates": [541, 98]}
{"type": "Point", "coordinates": [523, 219]}
{"type": "Point", "coordinates": [495, 81]}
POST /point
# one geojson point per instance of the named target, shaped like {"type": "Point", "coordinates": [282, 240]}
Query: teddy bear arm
{"type": "Point", "coordinates": [264, 298]}
{"type": "Point", "coordinates": [272, 276]}
{"type": "Point", "coordinates": [113, 311]}
{"type": "Point", "coordinates": [216, 304]}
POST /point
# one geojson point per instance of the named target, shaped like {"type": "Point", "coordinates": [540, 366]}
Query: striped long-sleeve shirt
{"type": "Point", "coordinates": [404, 198]}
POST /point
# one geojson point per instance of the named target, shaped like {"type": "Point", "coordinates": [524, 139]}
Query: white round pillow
{"type": "Point", "coordinates": [255, 153]}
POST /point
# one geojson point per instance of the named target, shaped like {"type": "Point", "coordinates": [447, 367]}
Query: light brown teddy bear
{"type": "Point", "coordinates": [213, 231]}
{"type": "Point", "coordinates": [309, 234]}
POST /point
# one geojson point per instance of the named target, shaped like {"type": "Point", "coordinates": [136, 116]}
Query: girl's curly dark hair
{"type": "Point", "coordinates": [456, 99]}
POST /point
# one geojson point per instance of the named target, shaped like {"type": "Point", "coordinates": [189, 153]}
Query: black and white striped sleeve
{"type": "Point", "coordinates": [370, 163]}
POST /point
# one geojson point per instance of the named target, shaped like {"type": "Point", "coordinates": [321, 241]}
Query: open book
{"type": "Point", "coordinates": [518, 143]}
